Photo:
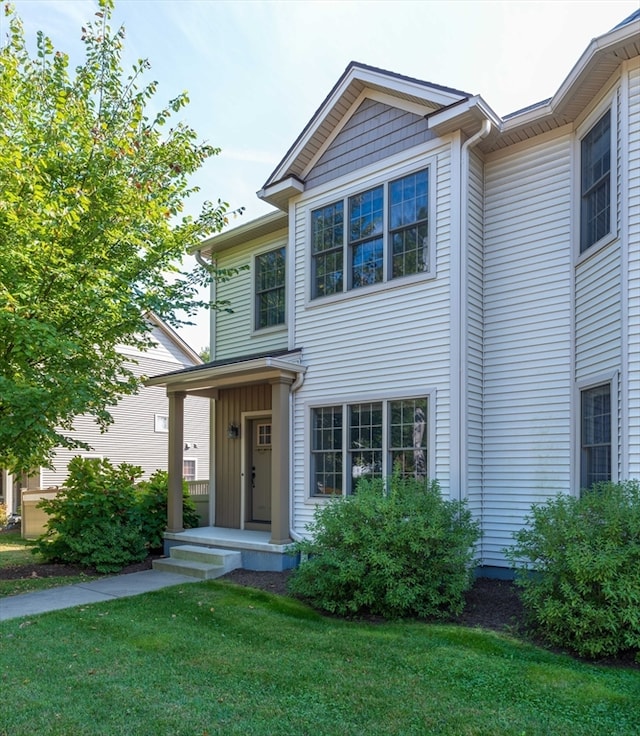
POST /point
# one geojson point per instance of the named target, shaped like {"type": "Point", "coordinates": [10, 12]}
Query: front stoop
{"type": "Point", "coordinates": [204, 563]}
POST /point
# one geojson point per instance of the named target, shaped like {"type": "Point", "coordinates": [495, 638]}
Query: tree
{"type": "Point", "coordinates": [92, 232]}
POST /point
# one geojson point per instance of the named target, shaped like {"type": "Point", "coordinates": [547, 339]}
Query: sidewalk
{"type": "Point", "coordinates": [93, 591]}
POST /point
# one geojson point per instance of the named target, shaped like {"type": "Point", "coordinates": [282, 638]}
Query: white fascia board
{"type": "Point", "coordinates": [258, 227]}
{"type": "Point", "coordinates": [175, 338]}
{"type": "Point", "coordinates": [447, 117]}
{"type": "Point", "coordinates": [291, 185]}
{"type": "Point", "coordinates": [602, 44]}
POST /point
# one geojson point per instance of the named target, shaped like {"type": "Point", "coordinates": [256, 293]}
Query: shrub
{"type": "Point", "coordinates": [152, 498]}
{"type": "Point", "coordinates": [95, 519]}
{"type": "Point", "coordinates": [395, 552]}
{"type": "Point", "coordinates": [585, 592]}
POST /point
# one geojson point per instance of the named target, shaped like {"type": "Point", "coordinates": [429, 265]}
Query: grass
{"type": "Point", "coordinates": [14, 550]}
{"type": "Point", "coordinates": [213, 658]}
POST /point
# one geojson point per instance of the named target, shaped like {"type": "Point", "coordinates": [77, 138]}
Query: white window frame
{"type": "Point", "coordinates": [254, 273]}
{"type": "Point", "coordinates": [583, 130]}
{"type": "Point", "coordinates": [195, 467]}
{"type": "Point", "coordinates": [363, 186]}
{"type": "Point", "coordinates": [612, 380]}
{"type": "Point", "coordinates": [344, 403]}
{"type": "Point", "coordinates": [161, 423]}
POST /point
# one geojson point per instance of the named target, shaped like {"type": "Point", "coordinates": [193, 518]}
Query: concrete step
{"type": "Point", "coordinates": [204, 563]}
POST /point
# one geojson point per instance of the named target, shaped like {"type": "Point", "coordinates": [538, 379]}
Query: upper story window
{"type": "Point", "coordinates": [270, 281]}
{"type": "Point", "coordinates": [595, 183]}
{"type": "Point", "coordinates": [387, 236]}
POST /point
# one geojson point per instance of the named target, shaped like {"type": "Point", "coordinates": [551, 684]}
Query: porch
{"type": "Point", "coordinates": [254, 546]}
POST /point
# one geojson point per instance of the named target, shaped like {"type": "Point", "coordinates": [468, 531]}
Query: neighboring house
{"type": "Point", "coordinates": [139, 432]}
{"type": "Point", "coordinates": [439, 290]}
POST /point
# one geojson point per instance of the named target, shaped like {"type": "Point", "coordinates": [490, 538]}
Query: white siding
{"type": "Point", "coordinates": [633, 279]}
{"type": "Point", "coordinates": [475, 336]}
{"type": "Point", "coordinates": [234, 332]}
{"type": "Point", "coordinates": [527, 335]}
{"type": "Point", "coordinates": [375, 345]}
{"type": "Point", "coordinates": [132, 437]}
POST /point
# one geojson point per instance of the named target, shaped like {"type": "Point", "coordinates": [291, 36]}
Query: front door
{"type": "Point", "coordinates": [259, 505]}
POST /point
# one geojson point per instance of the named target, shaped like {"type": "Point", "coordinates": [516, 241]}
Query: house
{"type": "Point", "coordinates": [439, 290]}
{"type": "Point", "coordinates": [139, 432]}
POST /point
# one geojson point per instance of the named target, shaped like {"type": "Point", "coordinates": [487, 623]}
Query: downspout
{"type": "Point", "coordinates": [462, 291]}
{"type": "Point", "coordinates": [293, 388]}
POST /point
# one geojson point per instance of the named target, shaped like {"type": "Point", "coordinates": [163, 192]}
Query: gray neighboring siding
{"type": "Point", "coordinates": [527, 331]}
{"type": "Point", "coordinates": [132, 437]}
{"type": "Point", "coordinates": [373, 133]}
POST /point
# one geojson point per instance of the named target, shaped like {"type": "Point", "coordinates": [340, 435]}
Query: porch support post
{"type": "Point", "coordinates": [176, 447]}
{"type": "Point", "coordinates": [280, 461]}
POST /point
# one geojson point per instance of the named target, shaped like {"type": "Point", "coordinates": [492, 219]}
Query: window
{"type": "Point", "coordinates": [270, 277]}
{"type": "Point", "coordinates": [263, 435]}
{"type": "Point", "coordinates": [382, 437]}
{"type": "Point", "coordinates": [595, 186]}
{"type": "Point", "coordinates": [161, 423]}
{"type": "Point", "coordinates": [595, 465]}
{"type": "Point", "coordinates": [387, 236]}
{"type": "Point", "coordinates": [189, 469]}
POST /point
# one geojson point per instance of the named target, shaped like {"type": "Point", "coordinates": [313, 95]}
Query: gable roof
{"type": "Point", "coordinates": [357, 81]}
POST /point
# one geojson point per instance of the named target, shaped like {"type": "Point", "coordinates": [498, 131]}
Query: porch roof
{"type": "Point", "coordinates": [204, 379]}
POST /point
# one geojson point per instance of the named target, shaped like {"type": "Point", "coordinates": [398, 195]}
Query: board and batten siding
{"type": "Point", "coordinates": [235, 335]}
{"type": "Point", "coordinates": [374, 132]}
{"type": "Point", "coordinates": [633, 276]}
{"type": "Point", "coordinates": [376, 344]}
{"type": "Point", "coordinates": [527, 335]}
{"type": "Point", "coordinates": [132, 437]}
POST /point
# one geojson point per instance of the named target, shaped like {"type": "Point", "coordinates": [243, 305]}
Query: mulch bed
{"type": "Point", "coordinates": [490, 604]}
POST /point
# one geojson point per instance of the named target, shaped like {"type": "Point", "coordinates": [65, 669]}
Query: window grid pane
{"type": "Point", "coordinates": [596, 435]}
{"type": "Point", "coordinates": [327, 242]}
{"type": "Point", "coordinates": [326, 451]}
{"type": "Point", "coordinates": [365, 442]}
{"type": "Point", "coordinates": [366, 216]}
{"type": "Point", "coordinates": [270, 281]}
{"type": "Point", "coordinates": [408, 224]}
{"type": "Point", "coordinates": [595, 175]}
{"type": "Point", "coordinates": [408, 438]}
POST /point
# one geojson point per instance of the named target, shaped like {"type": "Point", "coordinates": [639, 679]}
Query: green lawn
{"type": "Point", "coordinates": [17, 551]}
{"type": "Point", "coordinates": [212, 658]}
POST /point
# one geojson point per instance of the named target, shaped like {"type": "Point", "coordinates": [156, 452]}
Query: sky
{"type": "Point", "coordinates": [257, 70]}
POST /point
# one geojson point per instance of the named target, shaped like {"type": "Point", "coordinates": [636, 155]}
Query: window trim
{"type": "Point", "coordinates": [345, 403]}
{"type": "Point", "coordinates": [611, 380]}
{"type": "Point", "coordinates": [195, 467]}
{"type": "Point", "coordinates": [157, 423]}
{"type": "Point", "coordinates": [583, 130]}
{"type": "Point", "coordinates": [254, 275]}
{"type": "Point", "coordinates": [344, 195]}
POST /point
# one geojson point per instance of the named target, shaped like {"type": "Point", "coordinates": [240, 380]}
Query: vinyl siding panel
{"type": "Point", "coordinates": [378, 344]}
{"type": "Point", "coordinates": [132, 437]}
{"type": "Point", "coordinates": [235, 335]}
{"type": "Point", "coordinates": [633, 279]}
{"type": "Point", "coordinates": [527, 336]}
{"type": "Point", "coordinates": [374, 132]}
{"type": "Point", "coordinates": [475, 336]}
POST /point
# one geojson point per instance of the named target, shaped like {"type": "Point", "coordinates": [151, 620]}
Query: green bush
{"type": "Point", "coordinates": [578, 565]}
{"type": "Point", "coordinates": [95, 520]}
{"type": "Point", "coordinates": [152, 498]}
{"type": "Point", "coordinates": [395, 552]}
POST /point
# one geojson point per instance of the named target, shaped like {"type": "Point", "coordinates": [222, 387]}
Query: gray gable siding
{"type": "Point", "coordinates": [374, 132]}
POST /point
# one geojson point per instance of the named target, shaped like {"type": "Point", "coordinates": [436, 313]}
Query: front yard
{"type": "Point", "coordinates": [215, 658]}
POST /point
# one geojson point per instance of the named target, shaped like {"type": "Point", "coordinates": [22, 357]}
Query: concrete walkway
{"type": "Point", "coordinates": [93, 591]}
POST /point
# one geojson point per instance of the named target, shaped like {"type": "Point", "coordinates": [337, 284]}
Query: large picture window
{"type": "Point", "coordinates": [387, 236]}
{"type": "Point", "coordinates": [595, 169]}
{"type": "Point", "coordinates": [270, 284]}
{"type": "Point", "coordinates": [381, 438]}
{"type": "Point", "coordinates": [595, 435]}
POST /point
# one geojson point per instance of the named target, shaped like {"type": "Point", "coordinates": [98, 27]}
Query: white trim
{"type": "Point", "coordinates": [344, 403]}
{"type": "Point", "coordinates": [612, 379]}
{"type": "Point", "coordinates": [606, 104]}
{"type": "Point", "coordinates": [158, 425]}
{"type": "Point", "coordinates": [195, 467]}
{"type": "Point", "coordinates": [383, 178]}
{"type": "Point", "coordinates": [282, 326]}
